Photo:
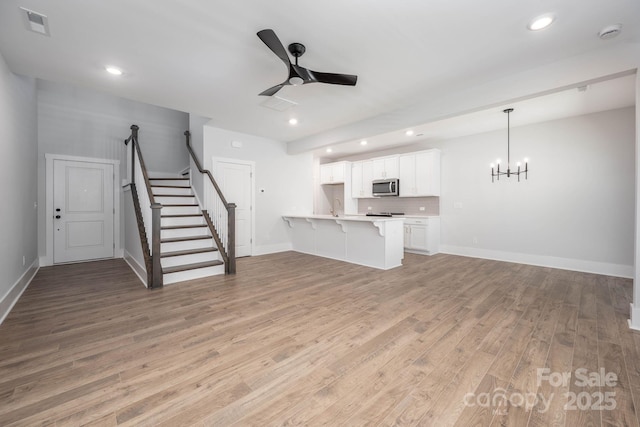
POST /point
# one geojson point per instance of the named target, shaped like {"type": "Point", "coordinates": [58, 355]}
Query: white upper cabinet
{"type": "Point", "coordinates": [333, 173]}
{"type": "Point", "coordinates": [385, 167]}
{"type": "Point", "coordinates": [361, 173]}
{"type": "Point", "coordinates": [420, 174]}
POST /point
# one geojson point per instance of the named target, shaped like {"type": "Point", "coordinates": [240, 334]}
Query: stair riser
{"type": "Point", "coordinates": [170, 190]}
{"type": "Point", "coordinates": [186, 245]}
{"type": "Point", "coordinates": [175, 200]}
{"type": "Point", "coordinates": [190, 220]}
{"type": "Point", "coordinates": [184, 232]}
{"type": "Point", "coordinates": [180, 182]}
{"type": "Point", "coordinates": [192, 274]}
{"type": "Point", "coordinates": [180, 210]}
{"type": "Point", "coordinates": [190, 259]}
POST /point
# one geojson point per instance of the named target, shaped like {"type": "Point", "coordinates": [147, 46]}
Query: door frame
{"type": "Point", "coordinates": [252, 212]}
{"type": "Point", "coordinates": [47, 259]}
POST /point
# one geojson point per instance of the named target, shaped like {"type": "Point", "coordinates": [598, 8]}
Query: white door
{"type": "Point", "coordinates": [234, 179]}
{"type": "Point", "coordinates": [83, 211]}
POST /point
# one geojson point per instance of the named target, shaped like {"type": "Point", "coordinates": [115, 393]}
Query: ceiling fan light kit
{"type": "Point", "coordinates": [496, 173]}
{"type": "Point", "coordinates": [299, 75]}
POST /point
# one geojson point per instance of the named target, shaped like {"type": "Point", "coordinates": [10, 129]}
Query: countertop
{"type": "Point", "coordinates": [361, 218]}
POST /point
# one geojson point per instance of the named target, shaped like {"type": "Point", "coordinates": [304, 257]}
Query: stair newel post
{"type": "Point", "coordinates": [156, 209]}
{"type": "Point", "coordinates": [231, 243]}
{"type": "Point", "coordinates": [134, 141]}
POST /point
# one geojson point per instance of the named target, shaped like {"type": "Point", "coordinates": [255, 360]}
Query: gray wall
{"type": "Point", "coordinates": [18, 162]}
{"type": "Point", "coordinates": [575, 211]}
{"type": "Point", "coordinates": [196, 127]}
{"type": "Point", "coordinates": [81, 122]}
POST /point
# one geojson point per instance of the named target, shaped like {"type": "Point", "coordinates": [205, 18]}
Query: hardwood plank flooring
{"type": "Point", "coordinates": [294, 339]}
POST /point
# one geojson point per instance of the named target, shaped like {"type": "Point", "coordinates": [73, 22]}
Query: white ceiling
{"type": "Point", "coordinates": [586, 99]}
{"type": "Point", "coordinates": [203, 56]}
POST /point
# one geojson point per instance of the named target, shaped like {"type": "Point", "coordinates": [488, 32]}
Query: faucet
{"type": "Point", "coordinates": [334, 212]}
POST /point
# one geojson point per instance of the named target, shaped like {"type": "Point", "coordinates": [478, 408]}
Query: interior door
{"type": "Point", "coordinates": [83, 216]}
{"type": "Point", "coordinates": [234, 179]}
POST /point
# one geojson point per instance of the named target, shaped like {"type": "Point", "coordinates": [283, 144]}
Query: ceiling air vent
{"type": "Point", "coordinates": [610, 31]}
{"type": "Point", "coordinates": [277, 103]}
{"type": "Point", "coordinates": [36, 22]}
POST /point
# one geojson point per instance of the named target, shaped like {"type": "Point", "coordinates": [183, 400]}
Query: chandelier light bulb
{"type": "Point", "coordinates": [526, 160]}
{"type": "Point", "coordinates": [498, 161]}
{"type": "Point", "coordinates": [492, 165]}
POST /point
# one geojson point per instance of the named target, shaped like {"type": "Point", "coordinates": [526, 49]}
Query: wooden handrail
{"type": "Point", "coordinates": [134, 139]}
{"type": "Point", "coordinates": [146, 251]}
{"type": "Point", "coordinates": [151, 253]}
{"type": "Point", "coordinates": [229, 256]}
{"type": "Point", "coordinates": [204, 171]}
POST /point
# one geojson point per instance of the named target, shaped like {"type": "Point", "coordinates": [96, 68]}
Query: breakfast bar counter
{"type": "Point", "coordinates": [371, 241]}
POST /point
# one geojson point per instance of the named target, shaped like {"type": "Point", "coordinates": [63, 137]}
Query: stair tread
{"type": "Point", "coordinates": [185, 238]}
{"type": "Point", "coordinates": [188, 252]}
{"type": "Point", "coordinates": [170, 186]}
{"type": "Point", "coordinates": [185, 267]}
{"type": "Point", "coordinates": [168, 179]}
{"type": "Point", "coordinates": [179, 204]}
{"type": "Point", "coordinates": [173, 195]}
{"type": "Point", "coordinates": [178, 227]}
{"type": "Point", "coordinates": [180, 215]}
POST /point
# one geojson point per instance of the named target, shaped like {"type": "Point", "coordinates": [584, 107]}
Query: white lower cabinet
{"type": "Point", "coordinates": [422, 235]}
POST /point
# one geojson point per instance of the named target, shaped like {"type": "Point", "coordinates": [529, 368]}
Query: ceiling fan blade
{"type": "Point", "coordinates": [273, 90]}
{"type": "Point", "coordinates": [334, 79]}
{"type": "Point", "coordinates": [272, 41]}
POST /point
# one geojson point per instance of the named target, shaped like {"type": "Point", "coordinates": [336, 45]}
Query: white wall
{"type": "Point", "coordinates": [287, 181]}
{"type": "Point", "coordinates": [18, 160]}
{"type": "Point", "coordinates": [576, 210]}
{"type": "Point", "coordinates": [81, 122]}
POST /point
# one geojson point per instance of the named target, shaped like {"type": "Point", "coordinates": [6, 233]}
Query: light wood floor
{"type": "Point", "coordinates": [298, 340]}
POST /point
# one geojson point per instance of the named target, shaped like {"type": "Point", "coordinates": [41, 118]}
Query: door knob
{"type": "Point", "coordinates": [57, 209]}
{"type": "Point", "coordinates": [57, 216]}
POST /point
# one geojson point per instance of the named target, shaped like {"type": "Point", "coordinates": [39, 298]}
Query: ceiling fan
{"type": "Point", "coordinates": [299, 75]}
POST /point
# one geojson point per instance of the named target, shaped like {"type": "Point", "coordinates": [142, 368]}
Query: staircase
{"type": "Point", "coordinates": [187, 248]}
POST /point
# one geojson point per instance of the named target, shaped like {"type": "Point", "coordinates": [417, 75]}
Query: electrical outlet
{"type": "Point", "coordinates": [369, 208]}
{"type": "Point", "coordinates": [421, 208]}
{"type": "Point", "coordinates": [24, 260]}
{"type": "Point", "coordinates": [475, 240]}
{"type": "Point", "coordinates": [457, 205]}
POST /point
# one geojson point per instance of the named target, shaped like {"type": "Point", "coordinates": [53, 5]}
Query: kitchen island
{"type": "Point", "coordinates": [372, 241]}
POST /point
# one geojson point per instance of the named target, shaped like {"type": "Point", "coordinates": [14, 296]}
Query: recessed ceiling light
{"type": "Point", "coordinates": [114, 70]}
{"type": "Point", "coordinates": [409, 132]}
{"type": "Point", "coordinates": [329, 150]}
{"type": "Point", "coordinates": [293, 121]}
{"type": "Point", "coordinates": [540, 22]}
{"type": "Point", "coordinates": [363, 142]}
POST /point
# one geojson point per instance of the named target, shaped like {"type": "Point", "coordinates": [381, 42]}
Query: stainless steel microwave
{"type": "Point", "coordinates": [386, 187]}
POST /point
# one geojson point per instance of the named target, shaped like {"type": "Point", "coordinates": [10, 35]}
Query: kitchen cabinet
{"type": "Point", "coordinates": [333, 173]}
{"type": "Point", "coordinates": [420, 174]}
{"type": "Point", "coordinates": [361, 176]}
{"type": "Point", "coordinates": [422, 235]}
{"type": "Point", "coordinates": [385, 167]}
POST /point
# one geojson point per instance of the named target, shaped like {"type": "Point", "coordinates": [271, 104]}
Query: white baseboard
{"type": "Point", "coordinates": [14, 294]}
{"type": "Point", "coordinates": [634, 318]}
{"type": "Point", "coordinates": [272, 249]}
{"type": "Point", "coordinates": [138, 269]}
{"type": "Point", "coordinates": [607, 269]}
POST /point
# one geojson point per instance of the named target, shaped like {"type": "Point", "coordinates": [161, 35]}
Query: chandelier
{"type": "Point", "coordinates": [495, 169]}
